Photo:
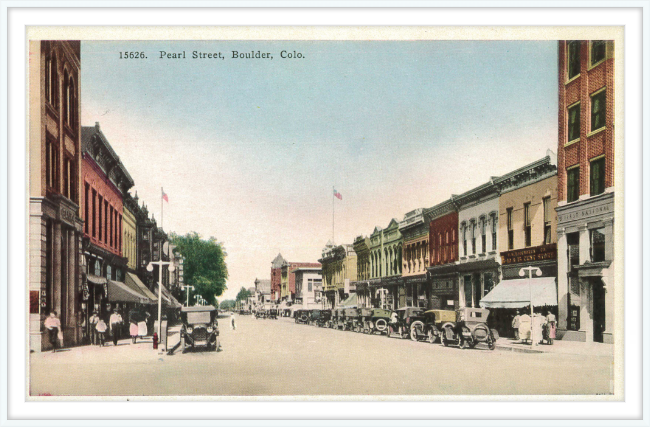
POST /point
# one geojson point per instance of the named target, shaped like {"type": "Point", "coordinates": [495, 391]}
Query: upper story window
{"type": "Point", "coordinates": [573, 249]}
{"type": "Point", "coordinates": [527, 225]}
{"type": "Point", "coordinates": [547, 220]}
{"type": "Point", "coordinates": [52, 164]}
{"type": "Point", "coordinates": [573, 184]}
{"type": "Point", "coordinates": [86, 207]}
{"type": "Point", "coordinates": [483, 235]}
{"type": "Point", "coordinates": [464, 240]}
{"type": "Point", "coordinates": [573, 128]}
{"type": "Point", "coordinates": [598, 110]}
{"type": "Point", "coordinates": [598, 49]}
{"type": "Point", "coordinates": [573, 63]}
{"type": "Point", "coordinates": [51, 80]}
{"type": "Point", "coordinates": [494, 232]}
{"type": "Point", "coordinates": [473, 225]}
{"type": "Point", "coordinates": [597, 176]}
{"type": "Point", "coordinates": [511, 234]}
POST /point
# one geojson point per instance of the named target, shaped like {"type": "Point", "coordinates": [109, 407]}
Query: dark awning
{"type": "Point", "coordinates": [119, 292]}
{"type": "Point", "coordinates": [517, 293]}
{"type": "Point", "coordinates": [96, 280]}
{"type": "Point", "coordinates": [134, 282]}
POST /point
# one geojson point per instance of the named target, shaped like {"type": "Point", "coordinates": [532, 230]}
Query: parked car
{"type": "Point", "coordinates": [432, 324]}
{"type": "Point", "coordinates": [408, 320]}
{"type": "Point", "coordinates": [325, 317]}
{"type": "Point", "coordinates": [314, 316]}
{"type": "Point", "coordinates": [378, 320]}
{"type": "Point", "coordinates": [469, 329]}
{"type": "Point", "coordinates": [302, 316]}
{"type": "Point", "coordinates": [273, 313]}
{"type": "Point", "coordinates": [200, 328]}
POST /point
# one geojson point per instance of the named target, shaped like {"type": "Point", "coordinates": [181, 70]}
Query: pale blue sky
{"type": "Point", "coordinates": [248, 149]}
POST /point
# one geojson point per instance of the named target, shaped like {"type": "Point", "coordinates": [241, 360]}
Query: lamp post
{"type": "Point", "coordinates": [160, 266]}
{"type": "Point", "coordinates": [187, 300]}
{"type": "Point", "coordinates": [522, 273]}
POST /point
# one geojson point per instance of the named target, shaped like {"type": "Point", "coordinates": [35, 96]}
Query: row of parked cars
{"type": "Point", "coordinates": [465, 327]}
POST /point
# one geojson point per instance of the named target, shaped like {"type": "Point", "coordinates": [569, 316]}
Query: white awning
{"type": "Point", "coordinates": [517, 293]}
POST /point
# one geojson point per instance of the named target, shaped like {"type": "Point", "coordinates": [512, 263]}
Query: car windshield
{"type": "Point", "coordinates": [198, 317]}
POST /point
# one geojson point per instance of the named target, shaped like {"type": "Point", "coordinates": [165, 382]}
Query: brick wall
{"type": "Point", "coordinates": [439, 229]}
{"type": "Point", "coordinates": [580, 89]}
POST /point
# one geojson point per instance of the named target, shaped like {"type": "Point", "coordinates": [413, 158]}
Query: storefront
{"type": "Point", "coordinates": [444, 292]}
{"type": "Point", "coordinates": [417, 290]}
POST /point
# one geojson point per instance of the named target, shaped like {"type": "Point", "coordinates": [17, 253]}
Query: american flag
{"type": "Point", "coordinates": [338, 195]}
{"type": "Point", "coordinates": [164, 196]}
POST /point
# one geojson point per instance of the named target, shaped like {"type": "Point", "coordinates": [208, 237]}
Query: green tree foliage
{"type": "Point", "coordinates": [243, 294]}
{"type": "Point", "coordinates": [204, 266]}
{"type": "Point", "coordinates": [228, 304]}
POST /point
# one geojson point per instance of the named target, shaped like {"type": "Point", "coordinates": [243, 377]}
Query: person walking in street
{"type": "Point", "coordinates": [93, 327]}
{"type": "Point", "coordinates": [232, 321]}
{"type": "Point", "coordinates": [115, 322]}
{"type": "Point", "coordinates": [53, 326]}
{"type": "Point", "coordinates": [101, 331]}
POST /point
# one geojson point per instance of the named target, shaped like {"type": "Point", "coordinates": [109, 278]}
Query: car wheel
{"type": "Point", "coordinates": [443, 338]}
{"type": "Point", "coordinates": [431, 337]}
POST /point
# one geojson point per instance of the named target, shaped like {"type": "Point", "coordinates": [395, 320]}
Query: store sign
{"type": "Point", "coordinates": [66, 215]}
{"type": "Point", "coordinates": [416, 279]}
{"type": "Point", "coordinates": [537, 253]}
{"type": "Point", "coordinates": [442, 286]}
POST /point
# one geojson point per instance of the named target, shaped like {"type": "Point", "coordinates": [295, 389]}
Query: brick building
{"type": "Point", "coordinates": [55, 224]}
{"type": "Point", "coordinates": [586, 190]}
{"type": "Point", "coordinates": [415, 258]}
{"type": "Point", "coordinates": [276, 277]}
{"type": "Point", "coordinates": [443, 254]}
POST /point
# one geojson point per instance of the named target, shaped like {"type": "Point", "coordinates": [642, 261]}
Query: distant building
{"type": "Point", "coordinates": [362, 249]}
{"type": "Point", "coordinates": [309, 287]}
{"type": "Point", "coordinates": [415, 257]}
{"type": "Point", "coordinates": [263, 290]}
{"type": "Point", "coordinates": [339, 272]}
{"type": "Point", "coordinates": [386, 284]}
{"type": "Point", "coordinates": [586, 190]}
{"type": "Point", "coordinates": [276, 277]}
{"type": "Point", "coordinates": [288, 279]}
{"type": "Point", "coordinates": [443, 255]}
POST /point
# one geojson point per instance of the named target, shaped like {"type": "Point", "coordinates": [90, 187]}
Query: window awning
{"type": "Point", "coordinates": [96, 280]}
{"type": "Point", "coordinates": [349, 302]}
{"type": "Point", "coordinates": [517, 293]}
{"type": "Point", "coordinates": [119, 292]}
{"type": "Point", "coordinates": [134, 281]}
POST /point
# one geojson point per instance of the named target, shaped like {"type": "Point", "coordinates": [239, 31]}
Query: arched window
{"type": "Point", "coordinates": [72, 104]}
{"type": "Point", "coordinates": [54, 83]}
{"type": "Point", "coordinates": [66, 97]}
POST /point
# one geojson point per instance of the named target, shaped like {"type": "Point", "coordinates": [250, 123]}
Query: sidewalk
{"type": "Point", "coordinates": [558, 347]}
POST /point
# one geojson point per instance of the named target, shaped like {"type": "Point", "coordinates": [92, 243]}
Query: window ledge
{"type": "Point", "coordinates": [594, 132]}
{"type": "Point", "coordinates": [577, 76]}
{"type": "Point", "coordinates": [481, 255]}
{"type": "Point", "coordinates": [572, 142]}
{"type": "Point", "coordinates": [492, 253]}
{"type": "Point", "coordinates": [472, 257]}
{"type": "Point", "coordinates": [591, 67]}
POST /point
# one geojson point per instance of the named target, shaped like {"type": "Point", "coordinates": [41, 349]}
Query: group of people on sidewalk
{"type": "Point", "coordinates": [98, 328]}
{"type": "Point", "coordinates": [521, 324]}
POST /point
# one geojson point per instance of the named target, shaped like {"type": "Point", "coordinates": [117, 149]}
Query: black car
{"type": "Point", "coordinates": [200, 329]}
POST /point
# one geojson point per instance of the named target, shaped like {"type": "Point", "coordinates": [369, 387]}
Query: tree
{"type": "Point", "coordinates": [228, 304]}
{"type": "Point", "coordinates": [243, 294]}
{"type": "Point", "coordinates": [204, 265]}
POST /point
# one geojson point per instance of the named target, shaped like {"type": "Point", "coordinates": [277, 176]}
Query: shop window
{"type": "Point", "coordinates": [547, 220]}
{"type": "Point", "coordinates": [573, 125]}
{"type": "Point", "coordinates": [597, 239]}
{"type": "Point", "coordinates": [511, 232]}
{"type": "Point", "coordinates": [109, 272]}
{"type": "Point", "coordinates": [598, 48]}
{"type": "Point", "coordinates": [597, 177]}
{"type": "Point", "coordinates": [573, 249]}
{"type": "Point", "coordinates": [598, 110]}
{"type": "Point", "coordinates": [573, 64]}
{"type": "Point", "coordinates": [488, 283]}
{"type": "Point", "coordinates": [98, 268]}
{"type": "Point", "coordinates": [118, 275]}
{"type": "Point", "coordinates": [573, 184]}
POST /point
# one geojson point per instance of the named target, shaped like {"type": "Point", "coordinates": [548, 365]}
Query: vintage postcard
{"type": "Point", "coordinates": [309, 213]}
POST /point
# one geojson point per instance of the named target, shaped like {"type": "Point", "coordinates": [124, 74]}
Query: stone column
{"type": "Point", "coordinates": [562, 280]}
{"type": "Point", "coordinates": [585, 244]}
{"type": "Point", "coordinates": [72, 288]}
{"type": "Point", "coordinates": [56, 269]}
{"type": "Point", "coordinates": [608, 283]}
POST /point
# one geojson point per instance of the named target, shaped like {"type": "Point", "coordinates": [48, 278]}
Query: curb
{"type": "Point", "coordinates": [518, 350]}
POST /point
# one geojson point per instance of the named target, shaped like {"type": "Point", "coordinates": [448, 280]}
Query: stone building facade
{"type": "Point", "coordinates": [387, 286]}
{"type": "Point", "coordinates": [55, 224]}
{"type": "Point", "coordinates": [362, 249]}
{"type": "Point", "coordinates": [586, 190]}
{"type": "Point", "coordinates": [415, 258]}
{"type": "Point", "coordinates": [339, 271]}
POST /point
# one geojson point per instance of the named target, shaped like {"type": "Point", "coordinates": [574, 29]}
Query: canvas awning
{"type": "Point", "coordinates": [167, 298]}
{"type": "Point", "coordinates": [96, 280]}
{"type": "Point", "coordinates": [119, 292]}
{"type": "Point", "coordinates": [349, 302]}
{"type": "Point", "coordinates": [134, 281]}
{"type": "Point", "coordinates": [517, 293]}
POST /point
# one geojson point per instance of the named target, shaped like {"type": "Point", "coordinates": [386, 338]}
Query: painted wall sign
{"type": "Point", "coordinates": [536, 253]}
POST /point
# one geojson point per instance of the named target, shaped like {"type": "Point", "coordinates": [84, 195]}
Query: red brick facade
{"type": "Point", "coordinates": [579, 89]}
{"type": "Point", "coordinates": [103, 224]}
{"type": "Point", "coordinates": [276, 278]}
{"type": "Point", "coordinates": [292, 276]}
{"type": "Point", "coordinates": [443, 239]}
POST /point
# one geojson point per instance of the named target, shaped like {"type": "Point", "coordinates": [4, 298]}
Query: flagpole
{"type": "Point", "coordinates": [161, 207]}
{"type": "Point", "coordinates": [332, 214]}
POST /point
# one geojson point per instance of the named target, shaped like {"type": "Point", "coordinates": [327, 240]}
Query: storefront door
{"type": "Point", "coordinates": [599, 309]}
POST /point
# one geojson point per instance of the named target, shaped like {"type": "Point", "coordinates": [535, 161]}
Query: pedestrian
{"type": "Point", "coordinates": [133, 330]}
{"type": "Point", "coordinates": [142, 328]}
{"type": "Point", "coordinates": [53, 326]}
{"type": "Point", "coordinates": [515, 325]}
{"type": "Point", "coordinates": [93, 325]}
{"type": "Point", "coordinates": [115, 322]}
{"type": "Point", "coordinates": [101, 331]}
{"type": "Point", "coordinates": [232, 321]}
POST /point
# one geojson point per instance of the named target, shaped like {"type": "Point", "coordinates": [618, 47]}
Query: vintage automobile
{"type": "Point", "coordinates": [272, 313]}
{"type": "Point", "coordinates": [314, 316]}
{"type": "Point", "coordinates": [406, 322]}
{"type": "Point", "coordinates": [324, 319]}
{"type": "Point", "coordinates": [377, 320]}
{"type": "Point", "coordinates": [200, 328]}
{"type": "Point", "coordinates": [286, 312]}
{"type": "Point", "coordinates": [469, 329]}
{"type": "Point", "coordinates": [429, 326]}
{"type": "Point", "coordinates": [302, 316]}
{"type": "Point", "coordinates": [336, 320]}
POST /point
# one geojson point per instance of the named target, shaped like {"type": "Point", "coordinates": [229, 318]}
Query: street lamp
{"type": "Point", "coordinates": [187, 301]}
{"type": "Point", "coordinates": [150, 269]}
{"type": "Point", "coordinates": [522, 273]}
